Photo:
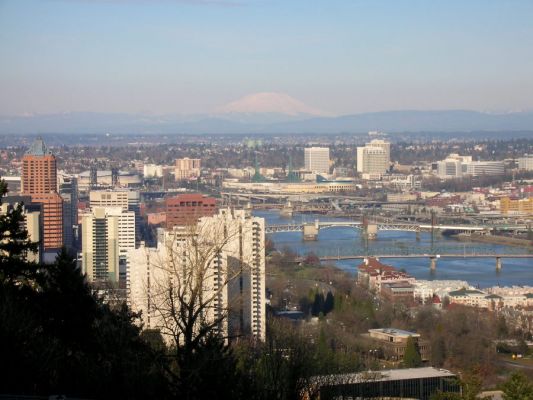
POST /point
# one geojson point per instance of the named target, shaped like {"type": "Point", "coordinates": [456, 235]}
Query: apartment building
{"type": "Point", "coordinates": [107, 235]}
{"type": "Point", "coordinates": [233, 275]}
{"type": "Point", "coordinates": [317, 159]}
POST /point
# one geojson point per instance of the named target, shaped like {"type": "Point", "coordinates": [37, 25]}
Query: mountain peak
{"type": "Point", "coordinates": [269, 102]}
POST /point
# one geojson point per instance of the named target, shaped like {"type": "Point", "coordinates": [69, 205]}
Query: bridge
{"type": "Point", "coordinates": [311, 229]}
{"type": "Point", "coordinates": [432, 257]}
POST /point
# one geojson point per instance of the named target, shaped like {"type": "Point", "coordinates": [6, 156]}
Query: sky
{"type": "Point", "coordinates": [192, 56]}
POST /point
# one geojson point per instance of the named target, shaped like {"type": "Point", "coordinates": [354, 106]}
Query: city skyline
{"type": "Point", "coordinates": [190, 57]}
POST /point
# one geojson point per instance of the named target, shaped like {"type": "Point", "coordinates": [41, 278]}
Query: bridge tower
{"type": "Point", "coordinates": [433, 262]}
{"type": "Point", "coordinates": [310, 231]}
{"type": "Point", "coordinates": [370, 231]}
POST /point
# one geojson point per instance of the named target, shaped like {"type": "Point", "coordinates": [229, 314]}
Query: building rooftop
{"type": "Point", "coordinates": [385, 375]}
{"type": "Point", "coordinates": [465, 292]}
{"type": "Point", "coordinates": [372, 263]}
{"type": "Point", "coordinates": [38, 148]}
{"type": "Point", "coordinates": [394, 332]}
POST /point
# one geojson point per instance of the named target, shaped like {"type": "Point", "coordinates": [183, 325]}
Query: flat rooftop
{"type": "Point", "coordinates": [394, 332]}
{"type": "Point", "coordinates": [385, 375]}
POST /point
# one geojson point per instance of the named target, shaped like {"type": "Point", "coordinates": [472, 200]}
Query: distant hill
{"type": "Point", "coordinates": [272, 122]}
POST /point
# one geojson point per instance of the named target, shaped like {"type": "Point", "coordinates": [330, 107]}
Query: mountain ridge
{"type": "Point", "coordinates": [388, 121]}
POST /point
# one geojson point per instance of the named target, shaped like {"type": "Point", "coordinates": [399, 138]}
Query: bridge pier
{"type": "Point", "coordinates": [417, 236]}
{"type": "Point", "coordinates": [310, 232]}
{"type": "Point", "coordinates": [433, 263]}
{"type": "Point", "coordinates": [371, 231]}
{"type": "Point", "coordinates": [498, 263]}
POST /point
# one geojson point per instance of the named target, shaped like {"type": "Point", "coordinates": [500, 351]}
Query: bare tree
{"type": "Point", "coordinates": [198, 281]}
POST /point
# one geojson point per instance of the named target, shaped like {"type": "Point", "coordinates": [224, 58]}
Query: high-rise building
{"type": "Point", "coordinates": [317, 159]}
{"type": "Point", "coordinates": [39, 180]}
{"type": "Point", "coordinates": [39, 170]}
{"type": "Point", "coordinates": [186, 209]}
{"type": "Point", "coordinates": [229, 251]}
{"type": "Point", "coordinates": [381, 144]}
{"type": "Point", "coordinates": [152, 171]}
{"type": "Point", "coordinates": [107, 235]}
{"type": "Point", "coordinates": [68, 190]}
{"type": "Point", "coordinates": [372, 160]}
{"type": "Point", "coordinates": [187, 168]}
{"type": "Point", "coordinates": [526, 162]}
{"type": "Point", "coordinates": [128, 200]}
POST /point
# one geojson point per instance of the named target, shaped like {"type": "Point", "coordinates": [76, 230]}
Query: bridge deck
{"type": "Point", "coordinates": [355, 257]}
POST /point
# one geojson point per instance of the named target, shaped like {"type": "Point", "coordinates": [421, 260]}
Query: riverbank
{"type": "Point", "coordinates": [502, 240]}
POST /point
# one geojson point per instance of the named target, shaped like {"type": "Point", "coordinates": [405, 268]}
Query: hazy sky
{"type": "Point", "coordinates": [172, 56]}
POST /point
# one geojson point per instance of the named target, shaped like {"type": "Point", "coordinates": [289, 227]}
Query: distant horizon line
{"type": "Point", "coordinates": [215, 114]}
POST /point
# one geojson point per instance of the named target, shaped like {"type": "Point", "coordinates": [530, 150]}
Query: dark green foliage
{"type": "Point", "coordinates": [438, 351]}
{"type": "Point", "coordinates": [517, 387]}
{"type": "Point", "coordinates": [57, 337]}
{"type": "Point", "coordinates": [210, 373]}
{"type": "Point", "coordinates": [329, 303]}
{"type": "Point", "coordinates": [60, 339]}
{"type": "Point", "coordinates": [14, 245]}
{"type": "Point", "coordinates": [411, 358]}
{"type": "Point", "coordinates": [470, 388]}
{"type": "Point", "coordinates": [318, 304]}
{"type": "Point", "coordinates": [446, 396]}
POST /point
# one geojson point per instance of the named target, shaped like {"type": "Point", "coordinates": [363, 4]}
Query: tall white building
{"type": "Point", "coordinates": [373, 159]}
{"type": "Point", "coordinates": [227, 250]}
{"type": "Point", "coordinates": [152, 171]}
{"type": "Point", "coordinates": [317, 159]}
{"type": "Point", "coordinates": [383, 144]}
{"type": "Point", "coordinates": [456, 166]}
{"type": "Point", "coordinates": [526, 162]}
{"type": "Point", "coordinates": [107, 235]}
{"type": "Point", "coordinates": [128, 200]}
{"type": "Point", "coordinates": [452, 166]}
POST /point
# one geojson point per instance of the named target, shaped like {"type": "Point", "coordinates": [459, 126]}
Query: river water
{"type": "Point", "coordinates": [480, 272]}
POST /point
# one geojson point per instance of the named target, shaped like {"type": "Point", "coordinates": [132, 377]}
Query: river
{"type": "Point", "coordinates": [480, 272]}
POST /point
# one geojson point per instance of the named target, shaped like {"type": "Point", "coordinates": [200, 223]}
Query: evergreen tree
{"type": "Point", "coordinates": [329, 303]}
{"type": "Point", "coordinates": [438, 351]}
{"type": "Point", "coordinates": [517, 387]}
{"type": "Point", "coordinates": [318, 304]}
{"type": "Point", "coordinates": [412, 358]}
{"type": "Point", "coordinates": [57, 337]}
{"type": "Point", "coordinates": [14, 244]}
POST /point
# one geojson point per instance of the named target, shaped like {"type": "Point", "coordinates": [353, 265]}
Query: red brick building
{"type": "Point", "coordinates": [185, 209]}
{"type": "Point", "coordinates": [39, 180]}
{"type": "Point", "coordinates": [39, 170]}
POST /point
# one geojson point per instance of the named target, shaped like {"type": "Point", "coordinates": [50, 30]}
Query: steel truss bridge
{"type": "Point", "coordinates": [381, 226]}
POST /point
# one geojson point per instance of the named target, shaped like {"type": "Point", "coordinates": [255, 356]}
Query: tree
{"type": "Point", "coordinates": [318, 304]}
{"type": "Point", "coordinates": [57, 337]}
{"type": "Point", "coordinates": [197, 288]}
{"type": "Point", "coordinates": [312, 259]}
{"type": "Point", "coordinates": [438, 351]}
{"type": "Point", "coordinates": [412, 358]}
{"type": "Point", "coordinates": [517, 387]}
{"type": "Point", "coordinates": [14, 244]}
{"type": "Point", "coordinates": [329, 303]}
